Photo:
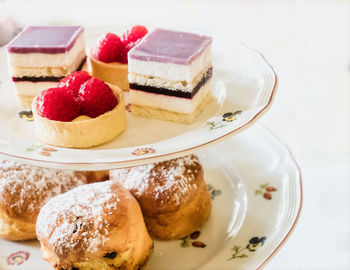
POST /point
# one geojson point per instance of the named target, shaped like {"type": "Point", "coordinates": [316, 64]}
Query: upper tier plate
{"type": "Point", "coordinates": [243, 81]}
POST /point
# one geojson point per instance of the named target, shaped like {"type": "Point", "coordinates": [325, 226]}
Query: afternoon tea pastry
{"type": "Point", "coordinates": [81, 112]}
{"type": "Point", "coordinates": [97, 176]}
{"type": "Point", "coordinates": [24, 189]}
{"type": "Point", "coordinates": [108, 58]}
{"type": "Point", "coordinates": [170, 75]}
{"type": "Point", "coordinates": [39, 56]}
{"type": "Point", "coordinates": [95, 226]}
{"type": "Point", "coordinates": [172, 194]}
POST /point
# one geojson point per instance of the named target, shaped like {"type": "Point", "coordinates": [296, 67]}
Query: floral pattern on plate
{"type": "Point", "coordinates": [254, 244]}
{"type": "Point", "coordinates": [226, 117]}
{"type": "Point", "coordinates": [187, 240]}
{"type": "Point", "coordinates": [27, 115]}
{"type": "Point", "coordinates": [143, 151]}
{"type": "Point", "coordinates": [42, 150]}
{"type": "Point", "coordinates": [265, 190]}
{"type": "Point", "coordinates": [18, 258]}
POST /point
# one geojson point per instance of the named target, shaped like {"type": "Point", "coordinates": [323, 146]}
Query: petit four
{"type": "Point", "coordinates": [39, 56]}
{"type": "Point", "coordinates": [170, 74]}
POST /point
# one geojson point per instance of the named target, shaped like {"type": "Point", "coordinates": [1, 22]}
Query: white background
{"type": "Point", "coordinates": [308, 43]}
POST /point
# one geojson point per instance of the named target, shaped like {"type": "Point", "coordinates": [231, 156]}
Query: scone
{"type": "Point", "coordinates": [95, 226]}
{"type": "Point", "coordinates": [108, 57]}
{"type": "Point", "coordinates": [39, 56]}
{"type": "Point", "coordinates": [172, 194]}
{"type": "Point", "coordinates": [92, 115]}
{"type": "Point", "coordinates": [170, 75]}
{"type": "Point", "coordinates": [24, 189]}
{"type": "Point", "coordinates": [97, 176]}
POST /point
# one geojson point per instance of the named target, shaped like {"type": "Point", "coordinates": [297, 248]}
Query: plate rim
{"type": "Point", "coordinates": [141, 160]}
{"type": "Point", "coordinates": [297, 218]}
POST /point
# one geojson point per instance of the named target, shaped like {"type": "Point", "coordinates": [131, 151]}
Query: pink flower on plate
{"type": "Point", "coordinates": [18, 258]}
{"type": "Point", "coordinates": [49, 149]}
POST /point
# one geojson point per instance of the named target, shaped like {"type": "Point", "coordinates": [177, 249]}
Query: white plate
{"type": "Point", "coordinates": [242, 81]}
{"type": "Point", "coordinates": [239, 173]}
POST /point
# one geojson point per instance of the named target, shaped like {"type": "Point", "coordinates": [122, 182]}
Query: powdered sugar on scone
{"type": "Point", "coordinates": [166, 181]}
{"type": "Point", "coordinates": [24, 189]}
{"type": "Point", "coordinates": [78, 219]}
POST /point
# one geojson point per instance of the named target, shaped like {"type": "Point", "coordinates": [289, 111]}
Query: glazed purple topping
{"type": "Point", "coordinates": [45, 39]}
{"type": "Point", "coordinates": [169, 46]}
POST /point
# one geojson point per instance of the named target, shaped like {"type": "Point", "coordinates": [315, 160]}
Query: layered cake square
{"type": "Point", "coordinates": [39, 56]}
{"type": "Point", "coordinates": [170, 74]}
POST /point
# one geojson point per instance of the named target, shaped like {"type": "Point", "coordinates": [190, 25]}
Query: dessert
{"type": "Point", "coordinates": [97, 176]}
{"type": "Point", "coordinates": [92, 115]}
{"type": "Point", "coordinates": [24, 189]}
{"type": "Point", "coordinates": [95, 226]}
{"type": "Point", "coordinates": [169, 75]}
{"type": "Point", "coordinates": [39, 56]}
{"type": "Point", "coordinates": [108, 58]}
{"type": "Point", "coordinates": [172, 194]}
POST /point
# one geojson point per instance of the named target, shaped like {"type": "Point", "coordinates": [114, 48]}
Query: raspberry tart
{"type": "Point", "coordinates": [81, 112]}
{"type": "Point", "coordinates": [109, 57]}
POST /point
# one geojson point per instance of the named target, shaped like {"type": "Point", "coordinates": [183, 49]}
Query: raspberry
{"type": "Point", "coordinates": [95, 98]}
{"type": "Point", "coordinates": [123, 57]}
{"type": "Point", "coordinates": [133, 34]}
{"type": "Point", "coordinates": [57, 104]}
{"type": "Point", "coordinates": [108, 48]}
{"type": "Point", "coordinates": [73, 82]}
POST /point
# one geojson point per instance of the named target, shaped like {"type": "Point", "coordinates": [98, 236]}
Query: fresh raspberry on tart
{"type": "Point", "coordinates": [133, 34]}
{"type": "Point", "coordinates": [124, 53]}
{"type": "Point", "coordinates": [108, 48]}
{"type": "Point", "coordinates": [110, 63]}
{"type": "Point", "coordinates": [58, 104]}
{"type": "Point", "coordinates": [73, 82]}
{"type": "Point", "coordinates": [111, 48]}
{"type": "Point", "coordinates": [95, 98]}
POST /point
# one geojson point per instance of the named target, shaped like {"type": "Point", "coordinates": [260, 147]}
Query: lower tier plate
{"type": "Point", "coordinates": [255, 185]}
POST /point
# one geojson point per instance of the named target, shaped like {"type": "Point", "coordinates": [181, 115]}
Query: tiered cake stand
{"type": "Point", "coordinates": [254, 181]}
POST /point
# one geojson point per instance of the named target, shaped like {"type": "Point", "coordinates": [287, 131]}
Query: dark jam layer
{"type": "Point", "coordinates": [174, 93]}
{"type": "Point", "coordinates": [44, 79]}
{"type": "Point", "coordinates": [37, 79]}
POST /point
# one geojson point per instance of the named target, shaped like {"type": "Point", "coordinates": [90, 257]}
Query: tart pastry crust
{"type": "Point", "coordinates": [83, 132]}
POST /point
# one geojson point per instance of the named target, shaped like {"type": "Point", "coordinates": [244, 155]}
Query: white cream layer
{"type": "Point", "coordinates": [46, 59]}
{"type": "Point", "coordinates": [169, 71]}
{"type": "Point", "coordinates": [169, 84]}
{"type": "Point", "coordinates": [26, 88]}
{"type": "Point", "coordinates": [170, 103]}
{"type": "Point", "coordinates": [60, 71]}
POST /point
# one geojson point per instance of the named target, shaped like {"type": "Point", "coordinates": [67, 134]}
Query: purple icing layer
{"type": "Point", "coordinates": [45, 39]}
{"type": "Point", "coordinates": [169, 46]}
